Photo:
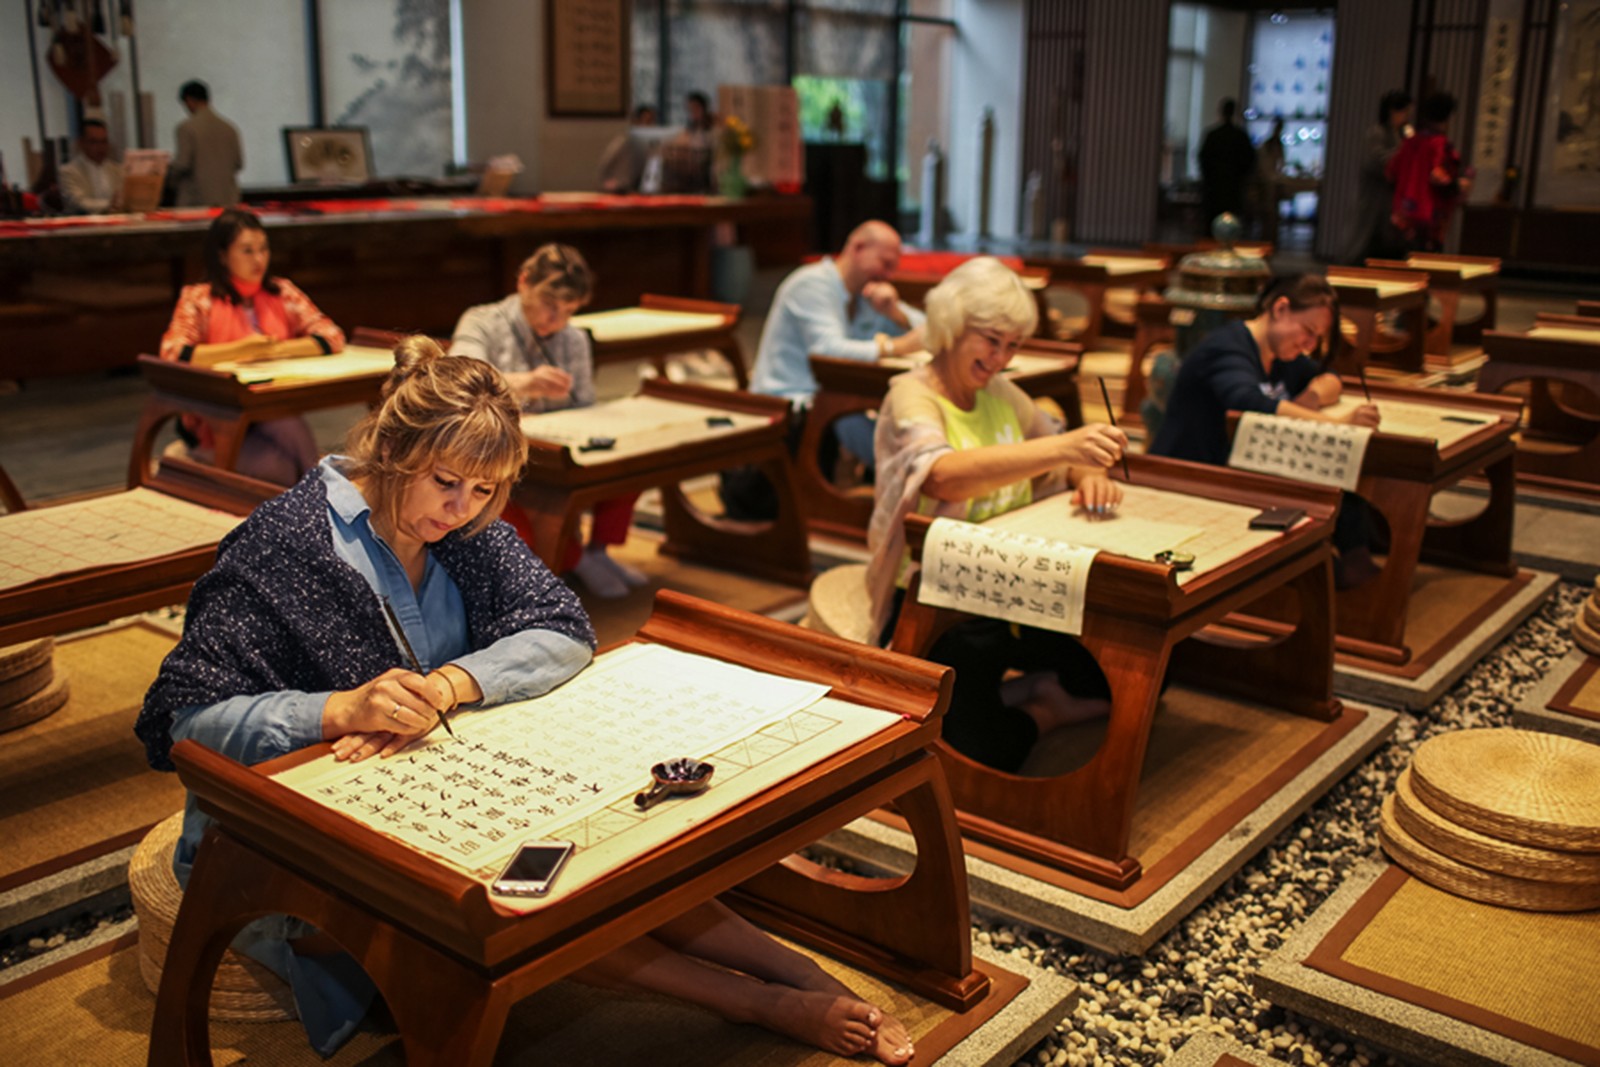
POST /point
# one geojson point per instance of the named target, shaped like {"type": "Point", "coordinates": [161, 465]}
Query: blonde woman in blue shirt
{"type": "Point", "coordinates": [956, 439]}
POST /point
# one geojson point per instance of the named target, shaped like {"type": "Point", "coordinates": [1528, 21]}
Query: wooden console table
{"type": "Point", "coordinates": [1400, 474]}
{"type": "Point", "coordinates": [662, 326]}
{"type": "Point", "coordinates": [1363, 296]}
{"type": "Point", "coordinates": [450, 965]}
{"type": "Point", "coordinates": [1559, 358]}
{"type": "Point", "coordinates": [1136, 615]}
{"type": "Point", "coordinates": [76, 598]}
{"type": "Point", "coordinates": [233, 402]}
{"type": "Point", "coordinates": [556, 487]}
{"type": "Point", "coordinates": [1448, 278]}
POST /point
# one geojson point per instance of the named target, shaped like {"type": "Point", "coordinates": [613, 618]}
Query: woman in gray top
{"type": "Point", "coordinates": [1373, 236]}
{"type": "Point", "coordinates": [528, 336]}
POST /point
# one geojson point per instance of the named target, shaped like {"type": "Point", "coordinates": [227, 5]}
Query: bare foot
{"type": "Point", "coordinates": [838, 1024]}
{"type": "Point", "coordinates": [893, 1042]}
{"type": "Point", "coordinates": [1051, 707]}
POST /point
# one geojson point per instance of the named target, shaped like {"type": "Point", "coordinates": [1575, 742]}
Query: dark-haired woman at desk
{"type": "Point", "coordinates": [289, 642]}
{"type": "Point", "coordinates": [955, 439]}
{"type": "Point", "coordinates": [242, 312]}
{"type": "Point", "coordinates": [1264, 364]}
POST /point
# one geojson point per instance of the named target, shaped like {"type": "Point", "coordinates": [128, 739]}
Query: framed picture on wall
{"type": "Point", "coordinates": [588, 57]}
{"type": "Point", "coordinates": [328, 153]}
{"type": "Point", "coordinates": [1569, 142]}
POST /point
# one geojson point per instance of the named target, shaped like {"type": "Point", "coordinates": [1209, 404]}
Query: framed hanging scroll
{"type": "Point", "coordinates": [588, 54]}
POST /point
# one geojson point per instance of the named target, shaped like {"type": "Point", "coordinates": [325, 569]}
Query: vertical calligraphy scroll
{"type": "Point", "coordinates": [588, 54]}
{"type": "Point", "coordinates": [1322, 453]}
{"type": "Point", "coordinates": [1015, 577]}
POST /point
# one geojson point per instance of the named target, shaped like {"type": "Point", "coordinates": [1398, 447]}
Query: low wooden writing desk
{"type": "Point", "coordinates": [1363, 296]}
{"type": "Point", "coordinates": [1136, 614]}
{"type": "Point", "coordinates": [231, 402]}
{"type": "Point", "coordinates": [88, 595]}
{"type": "Point", "coordinates": [1400, 474]}
{"type": "Point", "coordinates": [1094, 274]}
{"type": "Point", "coordinates": [1041, 369]}
{"type": "Point", "coordinates": [450, 965]}
{"type": "Point", "coordinates": [662, 326]}
{"type": "Point", "coordinates": [1448, 278]}
{"type": "Point", "coordinates": [557, 488]}
{"type": "Point", "coordinates": [1559, 358]}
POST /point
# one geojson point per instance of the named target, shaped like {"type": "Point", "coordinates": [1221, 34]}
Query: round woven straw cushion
{"type": "Point", "coordinates": [1490, 853]}
{"type": "Point", "coordinates": [1522, 786]}
{"type": "Point", "coordinates": [840, 605]}
{"type": "Point", "coordinates": [19, 686]}
{"type": "Point", "coordinates": [244, 991]}
{"type": "Point", "coordinates": [33, 708]}
{"type": "Point", "coordinates": [18, 659]}
{"type": "Point", "coordinates": [1441, 871]}
{"type": "Point", "coordinates": [1587, 637]}
{"type": "Point", "coordinates": [1591, 612]}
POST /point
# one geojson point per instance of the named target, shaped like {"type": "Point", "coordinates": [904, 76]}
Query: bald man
{"type": "Point", "coordinates": [841, 306]}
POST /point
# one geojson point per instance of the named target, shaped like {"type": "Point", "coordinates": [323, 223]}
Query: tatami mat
{"type": "Point", "coordinates": [98, 1001]}
{"type": "Point", "coordinates": [76, 784]}
{"type": "Point", "coordinates": [1567, 701]}
{"type": "Point", "coordinates": [1443, 979]}
{"type": "Point", "coordinates": [1220, 777]}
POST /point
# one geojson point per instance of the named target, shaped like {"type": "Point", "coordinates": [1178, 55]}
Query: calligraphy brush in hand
{"type": "Point", "coordinates": [411, 655]}
{"type": "Point", "coordinates": [1111, 415]}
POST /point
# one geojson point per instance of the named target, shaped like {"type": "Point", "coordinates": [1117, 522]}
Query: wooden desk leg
{"type": "Point", "coordinates": [230, 435]}
{"type": "Point", "coordinates": [733, 352]}
{"type": "Point", "coordinates": [917, 923]}
{"type": "Point", "coordinates": [1483, 542]}
{"type": "Point", "coordinates": [1471, 333]}
{"type": "Point", "coordinates": [775, 549]}
{"type": "Point", "coordinates": [554, 519]}
{"type": "Point", "coordinates": [1095, 322]}
{"type": "Point", "coordinates": [156, 412]}
{"type": "Point", "coordinates": [1354, 355]}
{"type": "Point", "coordinates": [1294, 674]}
{"type": "Point", "coordinates": [829, 509]}
{"type": "Point", "coordinates": [1443, 330]}
{"type": "Point", "coordinates": [1412, 355]}
{"type": "Point", "coordinates": [446, 1014]}
{"type": "Point", "coordinates": [1372, 616]}
{"type": "Point", "coordinates": [1081, 821]}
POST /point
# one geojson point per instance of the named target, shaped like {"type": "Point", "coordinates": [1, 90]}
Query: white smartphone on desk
{"type": "Point", "coordinates": [533, 869]}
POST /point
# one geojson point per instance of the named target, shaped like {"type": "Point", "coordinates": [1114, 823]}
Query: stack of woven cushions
{"type": "Point", "coordinates": [1507, 817]}
{"type": "Point", "coordinates": [30, 688]}
{"type": "Point", "coordinates": [1586, 627]}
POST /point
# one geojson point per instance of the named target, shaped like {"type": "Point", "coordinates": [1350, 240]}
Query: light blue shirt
{"type": "Point", "coordinates": [810, 316]}
{"type": "Point", "coordinates": [255, 728]}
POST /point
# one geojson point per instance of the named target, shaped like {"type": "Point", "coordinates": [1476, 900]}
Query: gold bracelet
{"type": "Point", "coordinates": [455, 701]}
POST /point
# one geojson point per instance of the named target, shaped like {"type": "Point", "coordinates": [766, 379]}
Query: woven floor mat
{"type": "Point", "coordinates": [76, 784]}
{"type": "Point", "coordinates": [97, 1001]}
{"type": "Point", "coordinates": [1528, 976]}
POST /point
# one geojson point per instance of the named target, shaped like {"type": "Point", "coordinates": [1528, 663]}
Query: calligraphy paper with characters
{"type": "Point", "coordinates": [568, 764]}
{"type": "Point", "coordinates": [983, 571]}
{"type": "Point", "coordinates": [1322, 453]}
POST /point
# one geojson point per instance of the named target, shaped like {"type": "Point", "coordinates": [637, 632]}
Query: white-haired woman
{"type": "Point", "coordinates": [956, 439]}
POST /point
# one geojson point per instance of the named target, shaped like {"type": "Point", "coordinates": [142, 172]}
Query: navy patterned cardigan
{"type": "Point", "coordinates": [281, 611]}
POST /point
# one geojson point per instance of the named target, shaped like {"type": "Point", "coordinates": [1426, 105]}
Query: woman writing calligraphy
{"type": "Point", "coordinates": [287, 643]}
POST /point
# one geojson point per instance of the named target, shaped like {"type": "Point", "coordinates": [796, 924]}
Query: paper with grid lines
{"type": "Point", "coordinates": [107, 531]}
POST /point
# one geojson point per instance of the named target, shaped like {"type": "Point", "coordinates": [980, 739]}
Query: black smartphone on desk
{"type": "Point", "coordinates": [1277, 518]}
{"type": "Point", "coordinates": [533, 869]}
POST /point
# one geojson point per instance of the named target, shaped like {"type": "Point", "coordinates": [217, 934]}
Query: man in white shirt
{"type": "Point", "coordinates": [92, 182]}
